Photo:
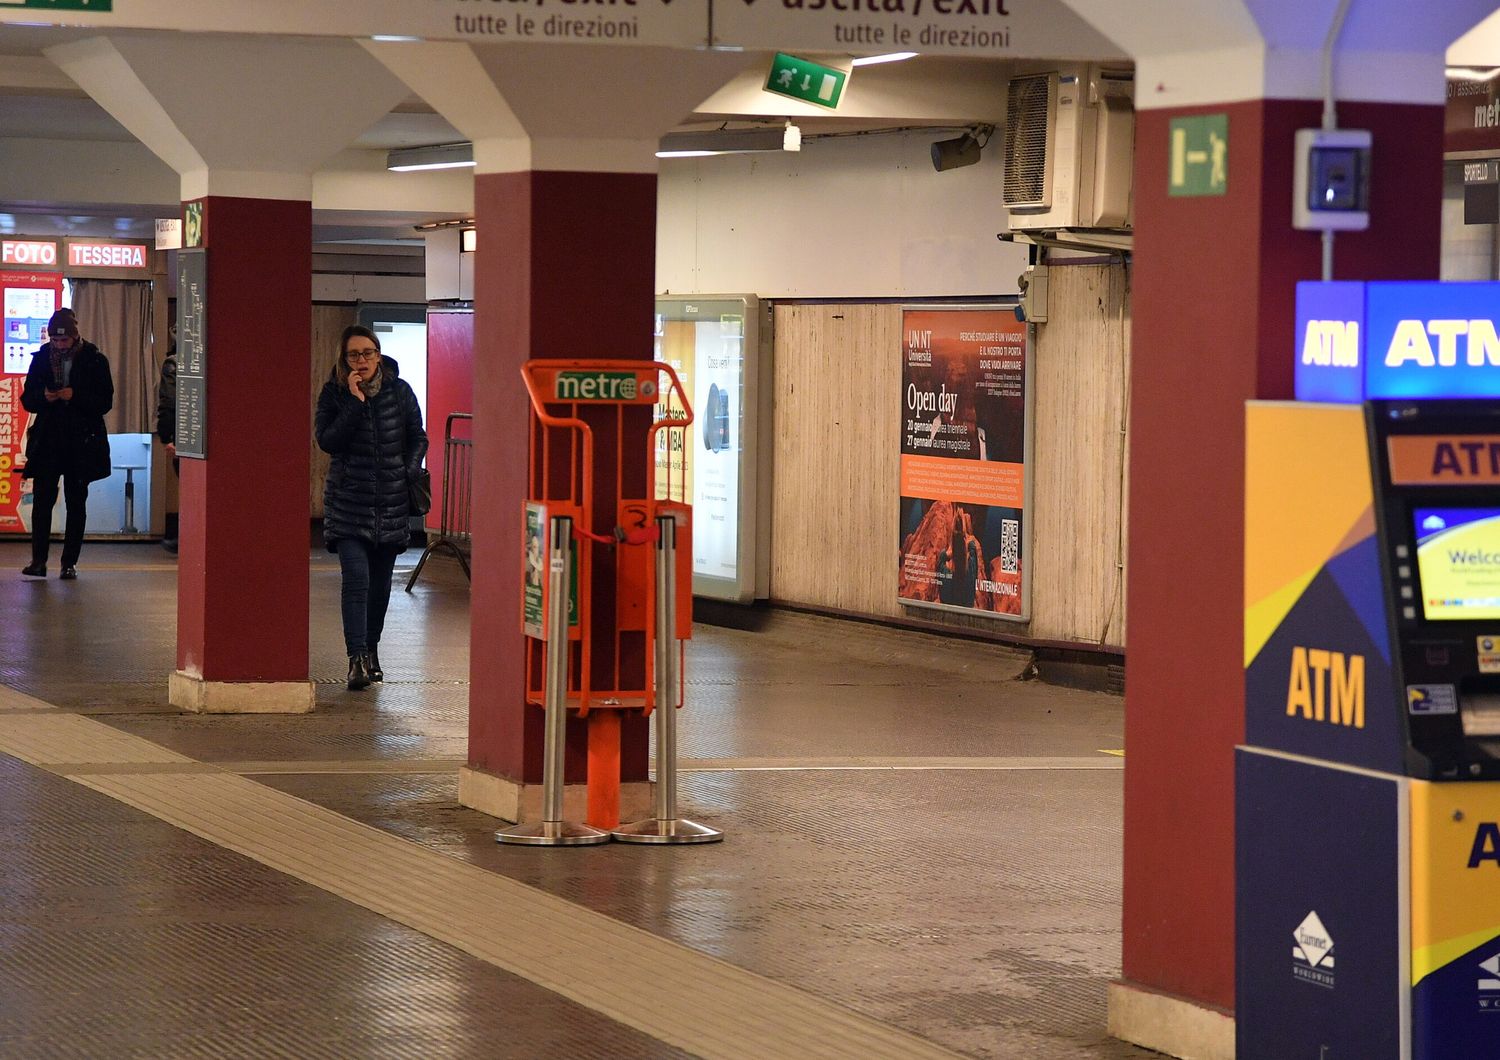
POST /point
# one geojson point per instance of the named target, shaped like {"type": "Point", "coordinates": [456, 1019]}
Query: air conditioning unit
{"type": "Point", "coordinates": [1069, 148]}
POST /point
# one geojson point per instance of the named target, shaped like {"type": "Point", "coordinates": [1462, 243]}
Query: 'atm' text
{"type": "Point", "coordinates": [1412, 343]}
{"type": "Point", "coordinates": [1466, 458]}
{"type": "Point", "coordinates": [1486, 845]}
{"type": "Point", "coordinates": [1327, 686]}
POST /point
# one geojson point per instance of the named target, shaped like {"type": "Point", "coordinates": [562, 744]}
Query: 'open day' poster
{"type": "Point", "coordinates": [963, 460]}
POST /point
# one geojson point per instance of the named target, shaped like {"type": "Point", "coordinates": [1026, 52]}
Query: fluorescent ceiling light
{"type": "Point", "coordinates": [890, 57]}
{"type": "Point", "coordinates": [720, 142]}
{"type": "Point", "coordinates": [1463, 73]}
{"type": "Point", "coordinates": [444, 156]}
{"type": "Point", "coordinates": [393, 38]}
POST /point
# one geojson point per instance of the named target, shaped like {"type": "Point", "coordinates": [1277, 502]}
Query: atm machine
{"type": "Point", "coordinates": [1367, 792]}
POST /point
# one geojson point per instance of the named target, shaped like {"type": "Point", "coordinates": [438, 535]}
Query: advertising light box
{"type": "Point", "coordinates": [1360, 341]}
{"type": "Point", "coordinates": [717, 346]}
{"type": "Point", "coordinates": [28, 300]}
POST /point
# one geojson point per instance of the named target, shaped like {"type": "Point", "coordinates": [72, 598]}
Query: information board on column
{"type": "Point", "coordinates": [192, 363]}
{"type": "Point", "coordinates": [976, 28]}
{"type": "Point", "coordinates": [965, 430]}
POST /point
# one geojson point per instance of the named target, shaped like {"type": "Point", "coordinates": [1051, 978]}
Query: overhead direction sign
{"type": "Point", "coordinates": [975, 28]}
{"type": "Point", "coordinates": [60, 5]}
{"type": "Point", "coordinates": [673, 23]}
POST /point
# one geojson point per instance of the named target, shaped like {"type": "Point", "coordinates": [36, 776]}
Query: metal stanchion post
{"type": "Point", "coordinates": [129, 527]}
{"type": "Point", "coordinates": [666, 826]}
{"type": "Point", "coordinates": [552, 830]}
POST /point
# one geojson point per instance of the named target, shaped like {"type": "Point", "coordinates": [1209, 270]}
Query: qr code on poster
{"type": "Point", "coordinates": [1010, 545]}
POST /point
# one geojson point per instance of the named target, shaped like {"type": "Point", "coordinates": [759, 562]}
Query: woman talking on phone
{"type": "Point", "coordinates": [368, 420]}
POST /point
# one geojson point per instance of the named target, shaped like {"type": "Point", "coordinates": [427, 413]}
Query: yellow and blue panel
{"type": "Point", "coordinates": [1318, 676]}
{"type": "Point", "coordinates": [1455, 920]}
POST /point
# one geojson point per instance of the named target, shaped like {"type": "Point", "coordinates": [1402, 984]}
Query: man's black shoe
{"type": "Point", "coordinates": [69, 574]}
{"type": "Point", "coordinates": [36, 570]}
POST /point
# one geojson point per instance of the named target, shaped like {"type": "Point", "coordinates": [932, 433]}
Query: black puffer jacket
{"type": "Point", "coordinates": [376, 445]}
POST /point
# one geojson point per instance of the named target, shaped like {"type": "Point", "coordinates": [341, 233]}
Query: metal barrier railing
{"type": "Point", "coordinates": [457, 486]}
{"type": "Point", "coordinates": [666, 826]}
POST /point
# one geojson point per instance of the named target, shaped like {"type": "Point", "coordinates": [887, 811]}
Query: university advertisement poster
{"type": "Point", "coordinates": [965, 426]}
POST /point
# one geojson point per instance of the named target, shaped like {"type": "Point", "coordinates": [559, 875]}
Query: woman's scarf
{"type": "Point", "coordinates": [370, 387]}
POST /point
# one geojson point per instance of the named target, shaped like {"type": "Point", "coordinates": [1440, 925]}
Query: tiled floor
{"type": "Point", "coordinates": [977, 907]}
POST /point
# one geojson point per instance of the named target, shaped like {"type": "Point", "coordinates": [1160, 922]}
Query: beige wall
{"type": "Point", "coordinates": [834, 513]}
{"type": "Point", "coordinates": [846, 217]}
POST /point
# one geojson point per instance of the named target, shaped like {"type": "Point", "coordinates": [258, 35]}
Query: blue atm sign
{"type": "Point", "coordinates": [1330, 330]}
{"type": "Point", "coordinates": [1397, 340]}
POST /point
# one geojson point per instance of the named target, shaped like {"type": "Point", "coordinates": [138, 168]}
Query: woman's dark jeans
{"type": "Point", "coordinates": [366, 592]}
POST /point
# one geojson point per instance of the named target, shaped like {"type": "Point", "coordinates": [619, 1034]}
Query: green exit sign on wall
{"type": "Point", "coordinates": [61, 5]}
{"type": "Point", "coordinates": [1199, 152]}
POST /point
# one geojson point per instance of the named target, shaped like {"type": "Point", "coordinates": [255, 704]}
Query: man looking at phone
{"type": "Point", "coordinates": [68, 390]}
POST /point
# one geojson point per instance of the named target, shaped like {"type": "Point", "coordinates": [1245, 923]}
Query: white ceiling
{"type": "Point", "coordinates": [38, 102]}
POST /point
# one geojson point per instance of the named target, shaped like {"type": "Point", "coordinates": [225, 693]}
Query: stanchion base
{"type": "Point", "coordinates": [552, 834]}
{"type": "Point", "coordinates": [657, 831]}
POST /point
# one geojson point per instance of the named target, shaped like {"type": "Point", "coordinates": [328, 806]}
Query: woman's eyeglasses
{"type": "Point", "coordinates": [361, 355]}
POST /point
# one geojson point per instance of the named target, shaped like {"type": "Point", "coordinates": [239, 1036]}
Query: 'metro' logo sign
{"type": "Point", "coordinates": [602, 386]}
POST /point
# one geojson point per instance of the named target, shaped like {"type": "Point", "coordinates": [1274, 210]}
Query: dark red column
{"type": "Point", "coordinates": [565, 269]}
{"type": "Point", "coordinates": [450, 388]}
{"type": "Point", "coordinates": [1213, 326]}
{"type": "Point", "coordinates": [242, 610]}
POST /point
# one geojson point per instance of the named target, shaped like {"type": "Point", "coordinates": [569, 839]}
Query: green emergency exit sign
{"type": "Point", "coordinates": [819, 85]}
{"type": "Point", "coordinates": [61, 5]}
{"type": "Point", "coordinates": [1199, 156]}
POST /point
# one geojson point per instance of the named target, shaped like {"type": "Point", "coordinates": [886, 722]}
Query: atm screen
{"type": "Point", "coordinates": [1458, 561]}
